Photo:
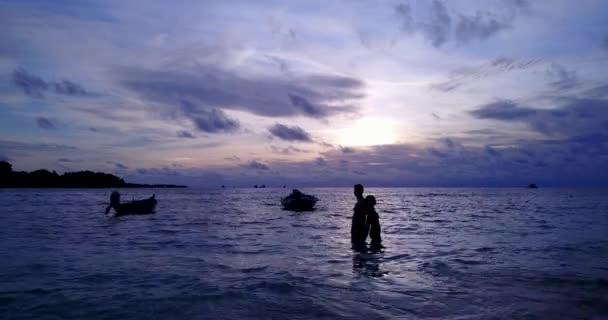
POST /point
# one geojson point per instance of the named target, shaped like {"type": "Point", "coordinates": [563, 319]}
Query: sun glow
{"type": "Point", "coordinates": [368, 132]}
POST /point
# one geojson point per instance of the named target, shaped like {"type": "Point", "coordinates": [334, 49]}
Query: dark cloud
{"type": "Point", "coordinates": [69, 88]}
{"type": "Point", "coordinates": [121, 166]}
{"type": "Point", "coordinates": [439, 26]}
{"type": "Point", "coordinates": [163, 171]}
{"type": "Point", "coordinates": [209, 120]}
{"type": "Point", "coordinates": [232, 158]}
{"type": "Point", "coordinates": [305, 107]}
{"type": "Point", "coordinates": [491, 151]}
{"type": "Point", "coordinates": [435, 116]}
{"type": "Point", "coordinates": [597, 92]}
{"type": "Point", "coordinates": [449, 143]}
{"type": "Point", "coordinates": [437, 153]}
{"type": "Point", "coordinates": [45, 123]}
{"type": "Point", "coordinates": [22, 146]}
{"type": "Point", "coordinates": [505, 110]}
{"type": "Point", "coordinates": [210, 87]}
{"type": "Point", "coordinates": [288, 150]}
{"type": "Point", "coordinates": [459, 77]}
{"type": "Point", "coordinates": [185, 134]}
{"type": "Point", "coordinates": [257, 165]}
{"type": "Point", "coordinates": [563, 78]}
{"type": "Point", "coordinates": [404, 11]}
{"type": "Point", "coordinates": [31, 84]}
{"type": "Point", "coordinates": [510, 164]}
{"type": "Point", "coordinates": [347, 149]}
{"type": "Point", "coordinates": [485, 132]}
{"type": "Point", "coordinates": [290, 133]}
{"type": "Point", "coordinates": [35, 86]}
{"type": "Point", "coordinates": [519, 4]}
{"type": "Point", "coordinates": [480, 26]}
{"type": "Point", "coordinates": [571, 117]}
{"type": "Point", "coordinates": [65, 160]}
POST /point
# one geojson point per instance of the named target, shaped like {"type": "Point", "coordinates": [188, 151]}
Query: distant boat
{"type": "Point", "coordinates": [532, 186]}
{"type": "Point", "coordinates": [145, 206]}
{"type": "Point", "coordinates": [297, 201]}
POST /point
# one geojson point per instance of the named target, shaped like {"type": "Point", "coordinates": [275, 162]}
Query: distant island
{"type": "Point", "coordinates": [82, 179]}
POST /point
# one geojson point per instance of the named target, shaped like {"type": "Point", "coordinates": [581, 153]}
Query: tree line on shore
{"type": "Point", "coordinates": [43, 178]}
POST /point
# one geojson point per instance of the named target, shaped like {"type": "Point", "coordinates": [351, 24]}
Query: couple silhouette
{"type": "Point", "coordinates": [365, 221]}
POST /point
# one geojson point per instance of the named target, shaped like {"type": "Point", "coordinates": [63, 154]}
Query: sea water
{"type": "Point", "coordinates": [235, 254]}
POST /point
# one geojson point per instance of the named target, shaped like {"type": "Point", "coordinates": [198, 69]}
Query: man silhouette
{"type": "Point", "coordinates": [358, 231]}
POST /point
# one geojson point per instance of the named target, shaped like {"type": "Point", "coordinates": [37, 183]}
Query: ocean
{"type": "Point", "coordinates": [235, 254]}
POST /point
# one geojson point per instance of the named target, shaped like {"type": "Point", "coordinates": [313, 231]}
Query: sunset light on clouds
{"type": "Point", "coordinates": [311, 93]}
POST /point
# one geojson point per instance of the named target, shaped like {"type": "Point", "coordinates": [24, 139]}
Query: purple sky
{"type": "Point", "coordinates": [308, 93]}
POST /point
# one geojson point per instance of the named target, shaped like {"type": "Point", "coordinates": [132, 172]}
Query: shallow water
{"type": "Point", "coordinates": [234, 254]}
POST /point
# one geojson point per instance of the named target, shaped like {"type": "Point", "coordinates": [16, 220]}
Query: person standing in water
{"type": "Point", "coordinates": [358, 232]}
{"type": "Point", "coordinates": [372, 222]}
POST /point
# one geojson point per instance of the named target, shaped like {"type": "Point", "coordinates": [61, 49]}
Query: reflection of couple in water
{"type": "Point", "coordinates": [365, 221]}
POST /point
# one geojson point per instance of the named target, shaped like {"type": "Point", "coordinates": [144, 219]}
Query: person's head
{"type": "Point", "coordinates": [358, 190]}
{"type": "Point", "coordinates": [370, 201]}
{"type": "Point", "coordinates": [115, 197]}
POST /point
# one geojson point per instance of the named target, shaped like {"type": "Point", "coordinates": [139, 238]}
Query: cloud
{"type": "Point", "coordinates": [34, 86]}
{"type": "Point", "coordinates": [65, 160]}
{"type": "Point", "coordinates": [505, 110]}
{"type": "Point", "coordinates": [31, 84]}
{"type": "Point", "coordinates": [570, 118]}
{"type": "Point", "coordinates": [210, 87]}
{"type": "Point", "coordinates": [449, 143]}
{"type": "Point", "coordinates": [209, 120]}
{"type": "Point", "coordinates": [460, 77]}
{"type": "Point", "coordinates": [23, 146]}
{"type": "Point", "coordinates": [491, 151]}
{"type": "Point", "coordinates": [495, 164]}
{"type": "Point", "coordinates": [519, 4]}
{"type": "Point", "coordinates": [439, 26]}
{"type": "Point", "coordinates": [564, 79]}
{"type": "Point", "coordinates": [290, 133]}
{"type": "Point", "coordinates": [288, 150]}
{"type": "Point", "coordinates": [437, 153]}
{"type": "Point", "coordinates": [121, 166]}
{"type": "Point", "coordinates": [257, 165]}
{"type": "Point", "coordinates": [185, 134]}
{"type": "Point", "coordinates": [347, 149]}
{"type": "Point", "coordinates": [68, 88]}
{"type": "Point", "coordinates": [480, 26]}
{"type": "Point", "coordinates": [404, 11]}
{"type": "Point", "coordinates": [45, 123]}
{"type": "Point", "coordinates": [232, 158]}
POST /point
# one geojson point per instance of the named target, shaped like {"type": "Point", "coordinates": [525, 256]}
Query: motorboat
{"type": "Point", "coordinates": [145, 206]}
{"type": "Point", "coordinates": [297, 201]}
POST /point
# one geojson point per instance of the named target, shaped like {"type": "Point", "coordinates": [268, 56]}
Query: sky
{"type": "Point", "coordinates": [462, 93]}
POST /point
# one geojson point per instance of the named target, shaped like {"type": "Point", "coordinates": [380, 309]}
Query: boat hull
{"type": "Point", "coordinates": [302, 204]}
{"type": "Point", "coordinates": [136, 207]}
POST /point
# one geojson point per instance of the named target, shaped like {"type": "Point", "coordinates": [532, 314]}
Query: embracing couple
{"type": "Point", "coordinates": [365, 221]}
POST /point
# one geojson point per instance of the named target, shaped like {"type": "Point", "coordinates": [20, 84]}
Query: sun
{"type": "Point", "coordinates": [368, 132]}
